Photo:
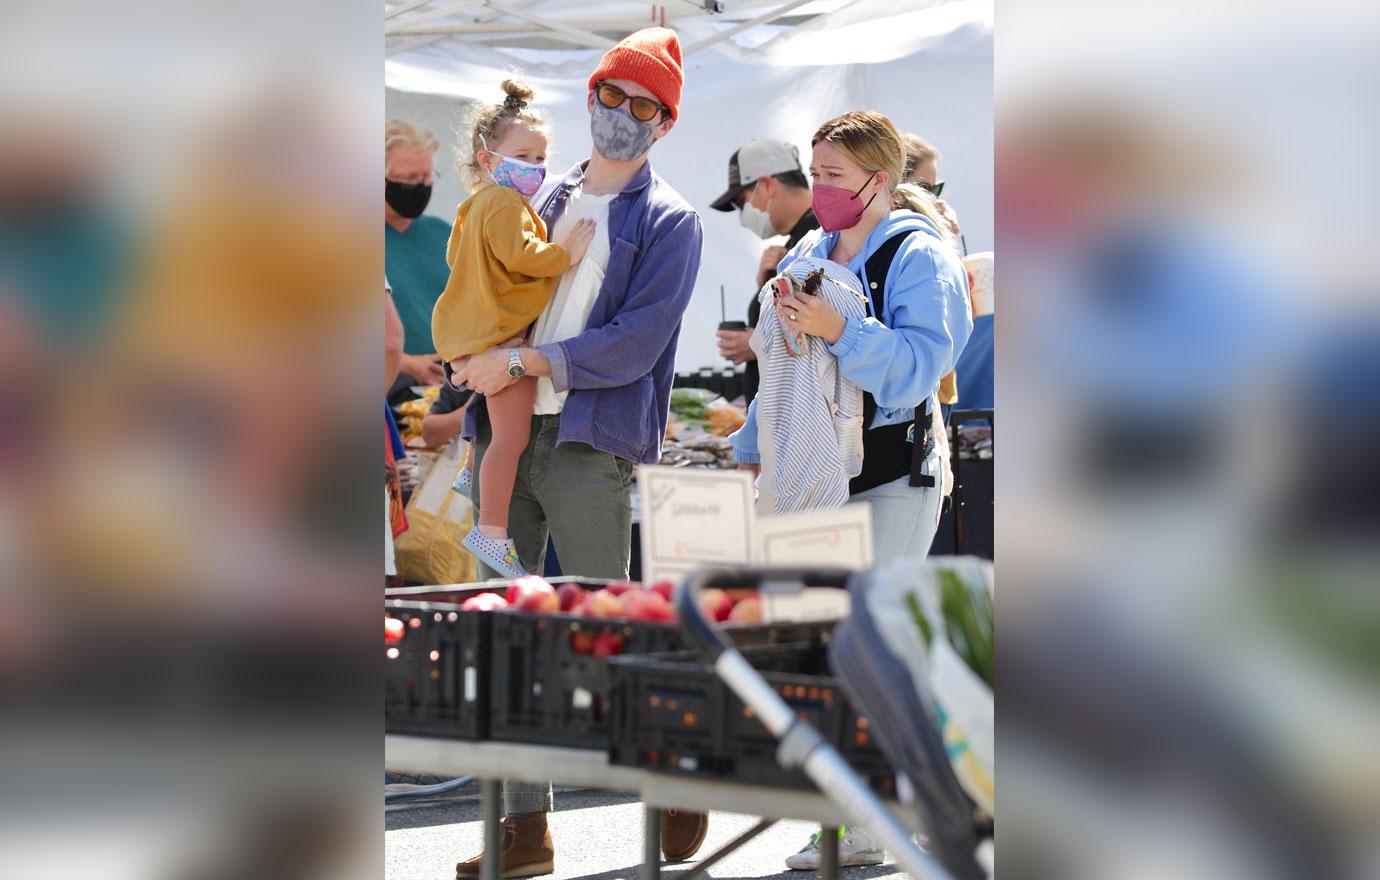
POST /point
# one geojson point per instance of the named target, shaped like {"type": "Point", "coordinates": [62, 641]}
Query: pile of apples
{"type": "Point", "coordinates": [622, 600]}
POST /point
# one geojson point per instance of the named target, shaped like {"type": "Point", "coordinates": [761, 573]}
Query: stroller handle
{"type": "Point", "coordinates": [703, 634]}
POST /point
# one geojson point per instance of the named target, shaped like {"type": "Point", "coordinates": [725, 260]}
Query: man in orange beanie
{"type": "Point", "coordinates": [603, 353]}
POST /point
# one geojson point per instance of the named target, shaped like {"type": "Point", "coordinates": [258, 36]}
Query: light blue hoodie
{"type": "Point", "coordinates": [925, 323]}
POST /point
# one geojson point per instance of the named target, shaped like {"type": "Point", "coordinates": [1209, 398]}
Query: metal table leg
{"type": "Point", "coordinates": [728, 849]}
{"type": "Point", "coordinates": [492, 793]}
{"type": "Point", "coordinates": [651, 844]}
{"type": "Point", "coordinates": [828, 853]}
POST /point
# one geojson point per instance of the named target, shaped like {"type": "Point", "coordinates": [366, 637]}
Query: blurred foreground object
{"type": "Point", "coordinates": [1190, 613]}
{"type": "Point", "coordinates": [189, 353]}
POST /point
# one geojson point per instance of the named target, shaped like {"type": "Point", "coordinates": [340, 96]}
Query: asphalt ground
{"type": "Point", "coordinates": [598, 835]}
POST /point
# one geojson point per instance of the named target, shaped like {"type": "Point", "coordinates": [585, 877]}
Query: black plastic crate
{"type": "Point", "coordinates": [547, 686]}
{"type": "Point", "coordinates": [546, 689]}
{"type": "Point", "coordinates": [672, 713]}
{"type": "Point", "coordinates": [436, 679]}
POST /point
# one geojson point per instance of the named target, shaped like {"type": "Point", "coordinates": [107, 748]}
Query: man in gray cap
{"type": "Point", "coordinates": [771, 193]}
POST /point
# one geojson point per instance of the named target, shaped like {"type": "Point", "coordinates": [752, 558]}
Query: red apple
{"type": "Point", "coordinates": [393, 630]}
{"type": "Point", "coordinates": [748, 610]}
{"type": "Point", "coordinates": [665, 589]}
{"type": "Point", "coordinates": [647, 606]}
{"type": "Point", "coordinates": [540, 601]}
{"type": "Point", "coordinates": [582, 642]}
{"type": "Point", "coordinates": [618, 588]}
{"type": "Point", "coordinates": [629, 604]}
{"type": "Point", "coordinates": [570, 596]}
{"type": "Point", "coordinates": [716, 604]}
{"type": "Point", "coordinates": [484, 602]}
{"type": "Point", "coordinates": [607, 645]}
{"type": "Point", "coordinates": [525, 585]}
{"type": "Point", "coordinates": [600, 603]}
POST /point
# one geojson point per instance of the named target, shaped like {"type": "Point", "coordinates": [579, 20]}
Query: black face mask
{"type": "Point", "coordinates": [408, 199]}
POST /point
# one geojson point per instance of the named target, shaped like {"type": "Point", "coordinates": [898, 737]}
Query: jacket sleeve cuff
{"type": "Point", "coordinates": [851, 331]}
{"type": "Point", "coordinates": [741, 452]}
{"type": "Point", "coordinates": [560, 367]}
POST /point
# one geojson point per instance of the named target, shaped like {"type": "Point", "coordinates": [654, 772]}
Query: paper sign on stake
{"type": "Point", "coordinates": [694, 519]}
{"type": "Point", "coordinates": [840, 537]}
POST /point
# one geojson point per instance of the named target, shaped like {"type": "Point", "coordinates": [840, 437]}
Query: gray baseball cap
{"type": "Point", "coordinates": [756, 158]}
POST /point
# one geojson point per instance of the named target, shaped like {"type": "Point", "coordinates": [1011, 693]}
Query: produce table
{"type": "Point", "coordinates": [591, 768]}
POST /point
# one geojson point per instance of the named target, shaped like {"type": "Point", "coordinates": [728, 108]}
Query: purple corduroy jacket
{"type": "Point", "coordinates": [619, 370]}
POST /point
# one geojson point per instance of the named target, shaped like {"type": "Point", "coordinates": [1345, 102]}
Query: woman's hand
{"type": "Point", "coordinates": [754, 469]}
{"type": "Point", "coordinates": [811, 315]}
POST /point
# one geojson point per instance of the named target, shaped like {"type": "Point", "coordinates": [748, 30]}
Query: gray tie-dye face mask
{"type": "Point", "coordinates": [617, 135]}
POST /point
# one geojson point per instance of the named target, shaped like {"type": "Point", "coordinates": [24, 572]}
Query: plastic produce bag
{"type": "Point", "coordinates": [937, 618]}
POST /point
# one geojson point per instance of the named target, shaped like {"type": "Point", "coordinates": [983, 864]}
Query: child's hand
{"type": "Point", "coordinates": [577, 240]}
{"type": "Point", "coordinates": [455, 367]}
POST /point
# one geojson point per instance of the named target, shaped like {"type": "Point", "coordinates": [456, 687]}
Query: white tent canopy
{"type": "Point", "coordinates": [758, 68]}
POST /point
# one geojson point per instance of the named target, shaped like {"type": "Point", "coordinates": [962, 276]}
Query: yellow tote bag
{"type": "Point", "coordinates": [438, 518]}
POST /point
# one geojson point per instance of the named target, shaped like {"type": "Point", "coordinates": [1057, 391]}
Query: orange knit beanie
{"type": "Point", "coordinates": [650, 58]}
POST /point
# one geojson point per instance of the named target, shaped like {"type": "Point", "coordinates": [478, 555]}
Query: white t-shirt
{"type": "Point", "coordinates": [567, 314]}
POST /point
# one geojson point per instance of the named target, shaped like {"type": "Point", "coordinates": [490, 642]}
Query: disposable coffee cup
{"type": "Point", "coordinates": [733, 325]}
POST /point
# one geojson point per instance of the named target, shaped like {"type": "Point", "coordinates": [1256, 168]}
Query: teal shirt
{"type": "Point", "coordinates": [415, 263]}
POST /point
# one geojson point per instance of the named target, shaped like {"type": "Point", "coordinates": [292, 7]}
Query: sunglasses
{"type": "Point", "coordinates": [643, 109]}
{"type": "Point", "coordinates": [933, 189]}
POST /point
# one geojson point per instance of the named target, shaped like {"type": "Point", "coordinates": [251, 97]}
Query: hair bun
{"type": "Point", "coordinates": [519, 95]}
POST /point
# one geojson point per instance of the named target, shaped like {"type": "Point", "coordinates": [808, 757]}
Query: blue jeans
{"type": "Point", "coordinates": [904, 517]}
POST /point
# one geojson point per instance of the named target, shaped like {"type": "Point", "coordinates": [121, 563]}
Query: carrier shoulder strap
{"type": "Point", "coordinates": [877, 267]}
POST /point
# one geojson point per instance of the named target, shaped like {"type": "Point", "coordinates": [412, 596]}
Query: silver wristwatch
{"type": "Point", "coordinates": [515, 367]}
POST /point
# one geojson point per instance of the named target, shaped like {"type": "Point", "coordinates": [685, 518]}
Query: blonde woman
{"type": "Point", "coordinates": [918, 320]}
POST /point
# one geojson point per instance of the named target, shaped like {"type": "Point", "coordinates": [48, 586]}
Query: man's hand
{"type": "Point", "coordinates": [425, 368]}
{"type": "Point", "coordinates": [772, 256]}
{"type": "Point", "coordinates": [733, 345]}
{"type": "Point", "coordinates": [754, 469]}
{"type": "Point", "coordinates": [487, 372]}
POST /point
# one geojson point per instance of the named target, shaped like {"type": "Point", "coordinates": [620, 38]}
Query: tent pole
{"type": "Point", "coordinates": [589, 38]}
{"type": "Point", "coordinates": [738, 29]}
{"type": "Point", "coordinates": [403, 7]}
{"type": "Point", "coordinates": [432, 15]}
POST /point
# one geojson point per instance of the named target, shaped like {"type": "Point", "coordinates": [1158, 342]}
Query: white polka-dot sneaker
{"type": "Point", "coordinates": [464, 481]}
{"type": "Point", "coordinates": [500, 554]}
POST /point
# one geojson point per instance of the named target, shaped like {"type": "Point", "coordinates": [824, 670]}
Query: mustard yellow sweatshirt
{"type": "Point", "coordinates": [503, 271]}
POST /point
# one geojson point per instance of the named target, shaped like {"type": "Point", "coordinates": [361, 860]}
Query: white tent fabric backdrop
{"type": "Point", "coordinates": [926, 66]}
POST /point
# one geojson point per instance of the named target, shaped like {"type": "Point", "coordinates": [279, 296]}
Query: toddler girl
{"type": "Point", "coordinates": [503, 272]}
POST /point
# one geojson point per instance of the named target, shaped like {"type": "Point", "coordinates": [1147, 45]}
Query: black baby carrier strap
{"type": "Point", "coordinates": [891, 452]}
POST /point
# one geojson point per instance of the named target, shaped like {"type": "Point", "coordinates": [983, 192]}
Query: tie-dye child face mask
{"type": "Point", "coordinates": [516, 174]}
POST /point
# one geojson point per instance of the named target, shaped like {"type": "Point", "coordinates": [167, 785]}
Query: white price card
{"type": "Point", "coordinates": [839, 537]}
{"type": "Point", "coordinates": [692, 519]}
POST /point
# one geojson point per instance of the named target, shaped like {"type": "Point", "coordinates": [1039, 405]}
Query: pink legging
{"type": "Point", "coordinates": [510, 415]}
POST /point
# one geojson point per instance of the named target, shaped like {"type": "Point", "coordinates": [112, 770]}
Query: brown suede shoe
{"type": "Point", "coordinates": [527, 850]}
{"type": "Point", "coordinates": [682, 833]}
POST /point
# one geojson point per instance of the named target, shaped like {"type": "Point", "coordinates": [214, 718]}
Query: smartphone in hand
{"type": "Point", "coordinates": [796, 342]}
